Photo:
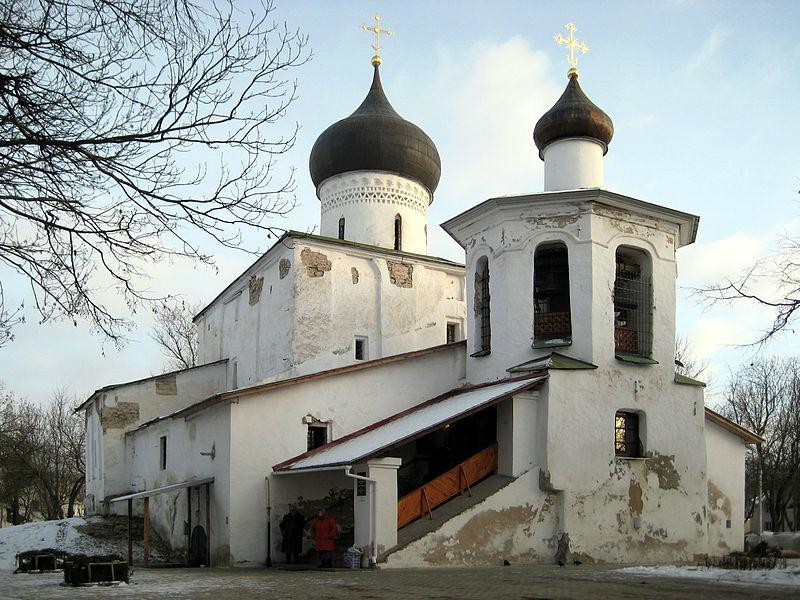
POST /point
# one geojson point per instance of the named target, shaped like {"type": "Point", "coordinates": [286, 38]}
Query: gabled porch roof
{"type": "Point", "coordinates": [407, 425]}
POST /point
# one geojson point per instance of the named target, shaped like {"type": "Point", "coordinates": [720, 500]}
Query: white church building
{"type": "Point", "coordinates": [445, 414]}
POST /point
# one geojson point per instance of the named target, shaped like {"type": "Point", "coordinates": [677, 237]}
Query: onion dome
{"type": "Point", "coordinates": [375, 138]}
{"type": "Point", "coordinates": [573, 116]}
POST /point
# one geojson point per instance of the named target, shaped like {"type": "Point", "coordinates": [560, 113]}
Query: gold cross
{"type": "Point", "coordinates": [572, 44]}
{"type": "Point", "coordinates": [377, 30]}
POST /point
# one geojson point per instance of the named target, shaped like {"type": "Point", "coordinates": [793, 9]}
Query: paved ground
{"type": "Point", "coordinates": [520, 583]}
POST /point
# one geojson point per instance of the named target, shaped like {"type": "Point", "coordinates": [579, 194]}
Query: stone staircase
{"type": "Point", "coordinates": [443, 513]}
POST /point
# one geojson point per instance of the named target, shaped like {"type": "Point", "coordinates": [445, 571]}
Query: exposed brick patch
{"type": "Point", "coordinates": [354, 274]}
{"type": "Point", "coordinates": [400, 274]}
{"type": "Point", "coordinates": [283, 267]}
{"type": "Point", "coordinates": [316, 262]}
{"type": "Point", "coordinates": [167, 386]}
{"type": "Point", "coordinates": [254, 286]}
{"type": "Point", "coordinates": [117, 417]}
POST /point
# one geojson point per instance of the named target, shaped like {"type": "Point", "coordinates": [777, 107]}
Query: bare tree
{"type": "Point", "coordinates": [176, 333]}
{"type": "Point", "coordinates": [130, 130]}
{"type": "Point", "coordinates": [42, 458]}
{"type": "Point", "coordinates": [779, 272]}
{"type": "Point", "coordinates": [686, 361]}
{"type": "Point", "coordinates": [764, 396]}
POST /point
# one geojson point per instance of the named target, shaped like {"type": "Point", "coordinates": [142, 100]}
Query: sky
{"type": "Point", "coordinates": [703, 96]}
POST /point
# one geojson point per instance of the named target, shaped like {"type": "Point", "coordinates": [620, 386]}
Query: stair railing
{"type": "Point", "coordinates": [449, 484]}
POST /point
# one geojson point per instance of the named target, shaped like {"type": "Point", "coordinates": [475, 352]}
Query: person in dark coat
{"type": "Point", "coordinates": [324, 531]}
{"type": "Point", "coordinates": [292, 526]}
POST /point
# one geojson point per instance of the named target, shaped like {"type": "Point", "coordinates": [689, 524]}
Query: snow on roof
{"type": "Point", "coordinates": [406, 425]}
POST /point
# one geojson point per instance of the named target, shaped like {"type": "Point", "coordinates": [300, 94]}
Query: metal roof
{"type": "Point", "coordinates": [406, 426]}
{"type": "Point", "coordinates": [165, 488]}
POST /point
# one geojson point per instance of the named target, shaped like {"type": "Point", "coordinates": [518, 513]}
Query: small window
{"type": "Point", "coordinates": [728, 524]}
{"type": "Point", "coordinates": [234, 374]}
{"type": "Point", "coordinates": [361, 348]}
{"type": "Point", "coordinates": [551, 321]}
{"type": "Point", "coordinates": [483, 321]}
{"type": "Point", "coordinates": [317, 436]}
{"type": "Point", "coordinates": [633, 304]}
{"type": "Point", "coordinates": [452, 333]}
{"type": "Point", "coordinates": [163, 452]}
{"type": "Point", "coordinates": [341, 228]}
{"type": "Point", "coordinates": [627, 442]}
{"type": "Point", "coordinates": [398, 232]}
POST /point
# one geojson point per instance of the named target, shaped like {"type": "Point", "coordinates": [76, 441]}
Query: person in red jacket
{"type": "Point", "coordinates": [324, 530]}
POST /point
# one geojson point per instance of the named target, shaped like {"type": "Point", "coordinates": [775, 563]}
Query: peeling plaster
{"type": "Point", "coordinates": [663, 465]}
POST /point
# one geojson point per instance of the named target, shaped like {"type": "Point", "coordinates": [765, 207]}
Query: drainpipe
{"type": "Point", "coordinates": [373, 519]}
{"type": "Point", "coordinates": [269, 524]}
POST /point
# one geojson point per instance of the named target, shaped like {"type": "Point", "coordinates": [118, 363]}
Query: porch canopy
{"type": "Point", "coordinates": [406, 426]}
{"type": "Point", "coordinates": [145, 495]}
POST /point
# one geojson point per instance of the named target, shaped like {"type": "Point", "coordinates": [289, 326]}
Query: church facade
{"type": "Point", "coordinates": [514, 407]}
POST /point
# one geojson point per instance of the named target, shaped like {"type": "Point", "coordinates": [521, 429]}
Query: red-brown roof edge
{"type": "Point", "coordinates": [736, 429]}
{"type": "Point", "coordinates": [537, 377]}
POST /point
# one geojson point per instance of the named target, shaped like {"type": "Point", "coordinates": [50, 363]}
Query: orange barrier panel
{"type": "Point", "coordinates": [450, 483]}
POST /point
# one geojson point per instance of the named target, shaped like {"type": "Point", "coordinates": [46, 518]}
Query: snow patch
{"type": "Point", "coordinates": [788, 576]}
{"type": "Point", "coordinates": [59, 535]}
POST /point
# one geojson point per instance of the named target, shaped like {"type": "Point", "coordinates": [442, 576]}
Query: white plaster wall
{"type": "Point", "coordinates": [517, 524]}
{"type": "Point", "coordinates": [726, 454]}
{"type": "Point", "coordinates": [573, 163]}
{"type": "Point", "coordinates": [591, 232]}
{"type": "Point", "coordinates": [369, 202]}
{"type": "Point", "coordinates": [303, 324]}
{"type": "Point", "coordinates": [254, 329]}
{"type": "Point", "coordinates": [186, 439]}
{"type": "Point", "coordinates": [331, 310]}
{"type": "Point", "coordinates": [113, 475]}
{"type": "Point", "coordinates": [628, 510]}
{"type": "Point", "coordinates": [268, 429]}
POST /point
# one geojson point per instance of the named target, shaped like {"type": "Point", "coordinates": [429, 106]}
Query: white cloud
{"type": "Point", "coordinates": [493, 96]}
{"type": "Point", "coordinates": [713, 42]}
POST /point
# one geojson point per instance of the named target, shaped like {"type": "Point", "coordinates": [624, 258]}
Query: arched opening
{"type": "Point", "coordinates": [633, 304]}
{"type": "Point", "coordinates": [341, 228]}
{"type": "Point", "coordinates": [552, 323]}
{"type": "Point", "coordinates": [398, 232]}
{"type": "Point", "coordinates": [483, 321]}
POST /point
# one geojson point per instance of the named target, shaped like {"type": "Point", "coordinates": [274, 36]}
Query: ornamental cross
{"type": "Point", "coordinates": [377, 30]}
{"type": "Point", "coordinates": [572, 45]}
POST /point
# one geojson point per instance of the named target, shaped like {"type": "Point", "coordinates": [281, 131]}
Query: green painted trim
{"type": "Point", "coordinates": [635, 359]}
{"type": "Point", "coordinates": [684, 380]}
{"type": "Point", "coordinates": [556, 343]}
{"type": "Point", "coordinates": [554, 361]}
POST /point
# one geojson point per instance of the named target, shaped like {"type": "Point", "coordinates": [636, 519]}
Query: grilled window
{"type": "Point", "coordinates": [398, 232]}
{"type": "Point", "coordinates": [552, 319]}
{"type": "Point", "coordinates": [626, 435]}
{"type": "Point", "coordinates": [633, 304]}
{"type": "Point", "coordinates": [341, 228]}
{"type": "Point", "coordinates": [483, 308]}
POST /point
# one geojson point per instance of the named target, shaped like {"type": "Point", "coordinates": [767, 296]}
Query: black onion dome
{"type": "Point", "coordinates": [574, 115]}
{"type": "Point", "coordinates": [375, 138]}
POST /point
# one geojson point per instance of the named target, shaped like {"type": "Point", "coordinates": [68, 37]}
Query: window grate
{"type": "Point", "coordinates": [552, 319]}
{"type": "Point", "coordinates": [317, 436]}
{"type": "Point", "coordinates": [452, 332]}
{"type": "Point", "coordinates": [626, 435]}
{"type": "Point", "coordinates": [633, 311]}
{"type": "Point", "coordinates": [484, 308]}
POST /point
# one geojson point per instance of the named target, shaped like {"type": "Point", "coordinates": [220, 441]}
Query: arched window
{"type": "Point", "coordinates": [398, 232]}
{"type": "Point", "coordinates": [552, 324]}
{"type": "Point", "coordinates": [341, 228]}
{"type": "Point", "coordinates": [633, 304]}
{"type": "Point", "coordinates": [483, 321]}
